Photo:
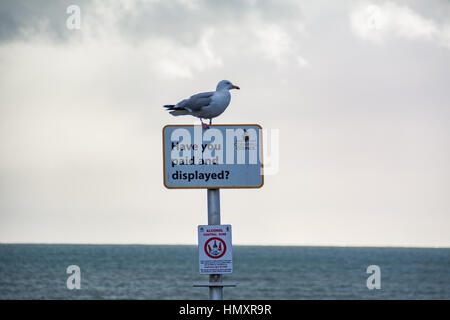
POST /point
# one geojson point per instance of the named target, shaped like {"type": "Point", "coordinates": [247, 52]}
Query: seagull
{"type": "Point", "coordinates": [205, 105]}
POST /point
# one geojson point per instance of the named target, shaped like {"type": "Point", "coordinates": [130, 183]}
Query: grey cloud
{"type": "Point", "coordinates": [167, 18]}
{"type": "Point", "coordinates": [179, 20]}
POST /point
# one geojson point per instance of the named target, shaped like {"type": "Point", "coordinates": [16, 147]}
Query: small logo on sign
{"type": "Point", "coordinates": [215, 248]}
{"type": "Point", "coordinates": [245, 143]}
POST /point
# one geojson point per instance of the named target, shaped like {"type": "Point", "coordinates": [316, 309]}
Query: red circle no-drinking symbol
{"type": "Point", "coordinates": [215, 248]}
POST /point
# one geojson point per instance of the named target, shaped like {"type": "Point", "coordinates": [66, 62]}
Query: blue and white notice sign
{"type": "Point", "coordinates": [223, 156]}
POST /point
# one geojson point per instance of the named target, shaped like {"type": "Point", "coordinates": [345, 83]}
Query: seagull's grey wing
{"type": "Point", "coordinates": [196, 102]}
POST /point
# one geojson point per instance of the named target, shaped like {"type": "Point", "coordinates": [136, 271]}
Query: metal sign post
{"type": "Point", "coordinates": [215, 292]}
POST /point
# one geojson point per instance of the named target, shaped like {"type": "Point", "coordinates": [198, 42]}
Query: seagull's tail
{"type": "Point", "coordinates": [176, 111]}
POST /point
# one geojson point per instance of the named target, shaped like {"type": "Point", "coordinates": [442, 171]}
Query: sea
{"type": "Point", "coordinates": [39, 271]}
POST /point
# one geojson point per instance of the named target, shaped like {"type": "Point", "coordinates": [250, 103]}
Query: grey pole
{"type": "Point", "coordinates": [215, 292]}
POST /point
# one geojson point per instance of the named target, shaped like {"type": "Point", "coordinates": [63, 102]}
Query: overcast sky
{"type": "Point", "coordinates": [359, 91]}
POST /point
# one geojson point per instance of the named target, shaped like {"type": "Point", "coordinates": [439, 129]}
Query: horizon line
{"type": "Point", "coordinates": [239, 245]}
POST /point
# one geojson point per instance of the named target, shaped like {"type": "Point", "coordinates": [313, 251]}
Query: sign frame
{"type": "Point", "coordinates": [214, 187]}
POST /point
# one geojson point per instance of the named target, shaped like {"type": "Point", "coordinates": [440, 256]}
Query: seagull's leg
{"type": "Point", "coordinates": [204, 125]}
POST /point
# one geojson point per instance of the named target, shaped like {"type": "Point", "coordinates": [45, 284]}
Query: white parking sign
{"type": "Point", "coordinates": [214, 249]}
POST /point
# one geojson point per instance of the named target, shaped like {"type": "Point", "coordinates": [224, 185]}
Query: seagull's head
{"type": "Point", "coordinates": [226, 85]}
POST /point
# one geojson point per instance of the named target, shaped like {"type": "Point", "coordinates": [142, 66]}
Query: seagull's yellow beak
{"type": "Point", "coordinates": [235, 87]}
